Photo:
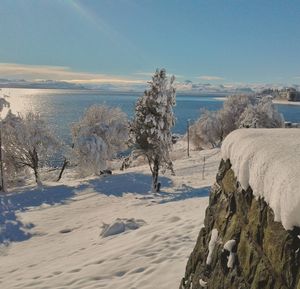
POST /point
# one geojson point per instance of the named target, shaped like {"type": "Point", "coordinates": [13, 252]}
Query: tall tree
{"type": "Point", "coordinates": [150, 130]}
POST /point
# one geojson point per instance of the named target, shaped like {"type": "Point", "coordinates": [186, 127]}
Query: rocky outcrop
{"type": "Point", "coordinates": [251, 250]}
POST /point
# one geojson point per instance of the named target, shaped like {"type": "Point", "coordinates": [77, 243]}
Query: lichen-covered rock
{"type": "Point", "coordinates": [263, 255]}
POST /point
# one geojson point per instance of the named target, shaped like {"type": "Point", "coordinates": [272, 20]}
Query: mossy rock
{"type": "Point", "coordinates": [267, 256]}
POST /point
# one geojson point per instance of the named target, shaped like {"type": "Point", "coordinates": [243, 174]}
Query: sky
{"type": "Point", "coordinates": [124, 41]}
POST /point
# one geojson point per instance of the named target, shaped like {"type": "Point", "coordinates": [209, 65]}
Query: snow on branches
{"type": "Point", "coordinates": [98, 136]}
{"type": "Point", "coordinates": [238, 111]}
{"type": "Point", "coordinates": [28, 141]}
{"type": "Point", "coordinates": [150, 130]}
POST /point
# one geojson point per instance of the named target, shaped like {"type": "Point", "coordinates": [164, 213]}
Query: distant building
{"type": "Point", "coordinates": [289, 124]}
{"type": "Point", "coordinates": [289, 93]}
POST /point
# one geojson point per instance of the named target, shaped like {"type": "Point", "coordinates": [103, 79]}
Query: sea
{"type": "Point", "coordinates": [61, 108]}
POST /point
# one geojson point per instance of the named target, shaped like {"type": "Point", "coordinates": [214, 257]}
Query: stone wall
{"type": "Point", "coordinates": [265, 254]}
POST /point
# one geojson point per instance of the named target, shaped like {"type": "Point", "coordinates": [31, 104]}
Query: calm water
{"type": "Point", "coordinates": [61, 108]}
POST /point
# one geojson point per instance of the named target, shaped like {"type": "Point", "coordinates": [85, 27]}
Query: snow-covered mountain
{"type": "Point", "coordinates": [46, 84]}
{"type": "Point", "coordinates": [186, 86]}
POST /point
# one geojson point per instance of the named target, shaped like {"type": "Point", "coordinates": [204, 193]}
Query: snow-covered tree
{"type": "Point", "coordinates": [238, 111]}
{"type": "Point", "coordinates": [98, 137]}
{"type": "Point", "coordinates": [10, 167]}
{"type": "Point", "coordinates": [29, 142]}
{"type": "Point", "coordinates": [263, 114]}
{"type": "Point", "coordinates": [207, 130]}
{"type": "Point", "coordinates": [3, 103]}
{"type": "Point", "coordinates": [150, 129]}
{"type": "Point", "coordinates": [233, 107]}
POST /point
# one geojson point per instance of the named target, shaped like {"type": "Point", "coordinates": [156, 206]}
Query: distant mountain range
{"type": "Point", "coordinates": [42, 84]}
{"type": "Point", "coordinates": [182, 87]}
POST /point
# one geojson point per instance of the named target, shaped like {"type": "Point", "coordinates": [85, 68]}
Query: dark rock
{"type": "Point", "coordinates": [266, 255]}
{"type": "Point", "coordinates": [106, 172]}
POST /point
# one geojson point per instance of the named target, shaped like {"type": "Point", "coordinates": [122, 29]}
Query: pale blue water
{"type": "Point", "coordinates": [61, 108]}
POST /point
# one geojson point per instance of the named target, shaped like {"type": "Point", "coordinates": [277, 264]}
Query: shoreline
{"type": "Point", "coordinates": [285, 102]}
{"type": "Point", "coordinates": [275, 101]}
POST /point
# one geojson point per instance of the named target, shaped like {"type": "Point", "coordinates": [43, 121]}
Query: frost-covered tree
{"type": "Point", "coordinates": [207, 130]}
{"type": "Point", "coordinates": [150, 129]}
{"type": "Point", "coordinates": [98, 137]}
{"type": "Point", "coordinates": [3, 103]}
{"type": "Point", "coordinates": [238, 111]}
{"type": "Point", "coordinates": [10, 167]}
{"type": "Point", "coordinates": [233, 107]}
{"type": "Point", "coordinates": [29, 142]}
{"type": "Point", "coordinates": [263, 114]}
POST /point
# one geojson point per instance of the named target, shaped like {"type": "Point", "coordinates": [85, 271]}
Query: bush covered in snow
{"type": "Point", "coordinates": [98, 136]}
{"type": "Point", "coordinates": [150, 130]}
{"type": "Point", "coordinates": [238, 111]}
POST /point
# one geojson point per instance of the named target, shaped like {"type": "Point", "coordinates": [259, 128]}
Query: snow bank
{"type": "Point", "coordinates": [268, 160]}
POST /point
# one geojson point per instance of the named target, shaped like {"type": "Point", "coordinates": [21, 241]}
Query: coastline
{"type": "Point", "coordinates": [275, 101]}
{"type": "Point", "coordinates": [285, 102]}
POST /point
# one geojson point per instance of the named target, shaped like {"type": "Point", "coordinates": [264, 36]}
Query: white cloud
{"type": "Point", "coordinates": [210, 77]}
{"type": "Point", "coordinates": [60, 73]}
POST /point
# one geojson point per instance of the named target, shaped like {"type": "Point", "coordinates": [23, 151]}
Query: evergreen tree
{"type": "Point", "coordinates": [150, 129]}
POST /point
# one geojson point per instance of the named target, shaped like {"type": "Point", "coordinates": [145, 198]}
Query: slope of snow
{"type": "Point", "coordinates": [269, 161]}
{"type": "Point", "coordinates": [58, 242]}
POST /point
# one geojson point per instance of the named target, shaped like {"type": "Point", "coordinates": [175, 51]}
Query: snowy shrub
{"type": "Point", "coordinates": [28, 142]}
{"type": "Point", "coordinates": [238, 111]}
{"type": "Point", "coordinates": [150, 130]}
{"type": "Point", "coordinates": [98, 136]}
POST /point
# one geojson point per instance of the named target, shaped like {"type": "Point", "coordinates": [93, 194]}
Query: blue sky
{"type": "Point", "coordinates": [96, 41]}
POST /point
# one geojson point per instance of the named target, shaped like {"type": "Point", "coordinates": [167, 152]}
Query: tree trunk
{"type": "Point", "coordinates": [37, 177]}
{"type": "Point", "coordinates": [62, 169]}
{"type": "Point", "coordinates": [155, 171]}
{"type": "Point", "coordinates": [35, 167]}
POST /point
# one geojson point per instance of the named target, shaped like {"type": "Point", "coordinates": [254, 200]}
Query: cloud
{"type": "Point", "coordinates": [60, 73]}
{"type": "Point", "coordinates": [148, 74]}
{"type": "Point", "coordinates": [210, 77]}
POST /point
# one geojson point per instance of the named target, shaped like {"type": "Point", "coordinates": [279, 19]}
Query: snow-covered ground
{"type": "Point", "coordinates": [59, 232]}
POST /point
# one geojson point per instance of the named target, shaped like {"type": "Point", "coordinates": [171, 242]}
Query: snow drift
{"type": "Point", "coordinates": [268, 160]}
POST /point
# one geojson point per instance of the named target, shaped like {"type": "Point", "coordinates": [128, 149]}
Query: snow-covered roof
{"type": "Point", "coordinates": [269, 161]}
